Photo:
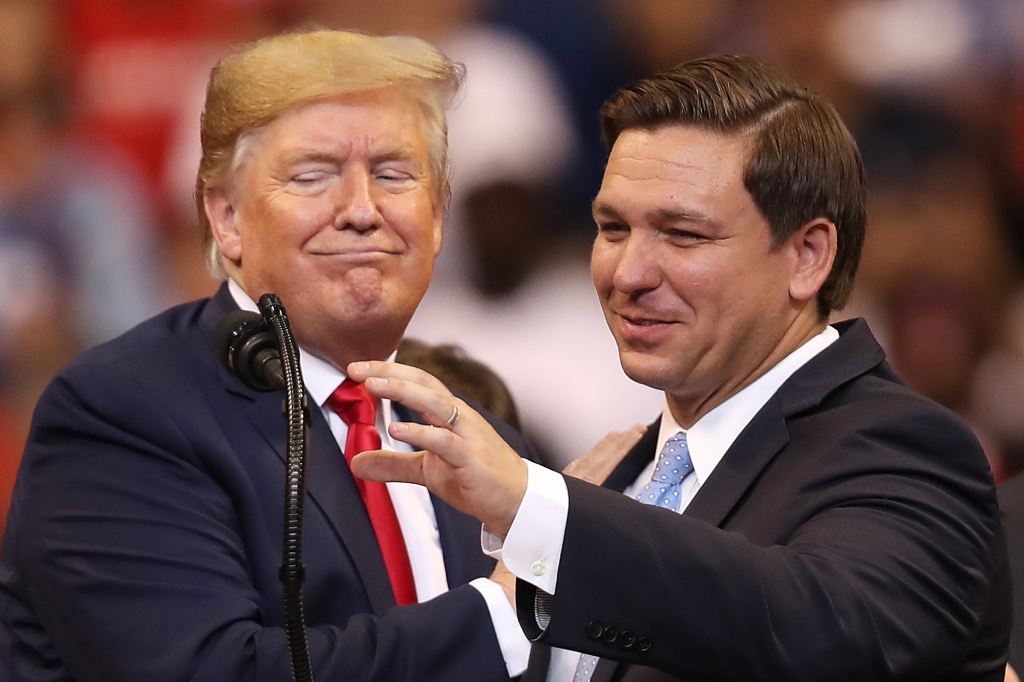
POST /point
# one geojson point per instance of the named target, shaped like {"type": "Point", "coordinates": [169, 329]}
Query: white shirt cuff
{"type": "Point", "coordinates": [533, 546]}
{"type": "Point", "coordinates": [515, 647]}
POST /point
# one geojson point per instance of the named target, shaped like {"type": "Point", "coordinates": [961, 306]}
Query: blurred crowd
{"type": "Point", "coordinates": [99, 107]}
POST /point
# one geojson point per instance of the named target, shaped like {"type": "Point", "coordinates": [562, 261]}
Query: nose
{"type": "Point", "coordinates": [636, 269]}
{"type": "Point", "coordinates": [356, 205]}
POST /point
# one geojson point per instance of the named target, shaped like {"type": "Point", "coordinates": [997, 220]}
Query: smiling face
{"type": "Point", "coordinates": [333, 209]}
{"type": "Point", "coordinates": [699, 300]}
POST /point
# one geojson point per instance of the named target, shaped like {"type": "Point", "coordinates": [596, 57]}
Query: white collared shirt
{"type": "Point", "coordinates": [533, 546]}
{"type": "Point", "coordinates": [412, 505]}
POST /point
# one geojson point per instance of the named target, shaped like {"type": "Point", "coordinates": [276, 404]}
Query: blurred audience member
{"type": "Point", "coordinates": [939, 276]}
{"type": "Point", "coordinates": [78, 251]}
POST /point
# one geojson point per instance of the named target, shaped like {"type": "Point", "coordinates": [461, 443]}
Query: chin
{"type": "Point", "coordinates": [647, 371]}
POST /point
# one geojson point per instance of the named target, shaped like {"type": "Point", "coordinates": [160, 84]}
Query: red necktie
{"type": "Point", "coordinates": [359, 410]}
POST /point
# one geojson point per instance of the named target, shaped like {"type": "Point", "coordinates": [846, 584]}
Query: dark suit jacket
{"type": "Point", "coordinates": [1011, 503]}
{"type": "Point", "coordinates": [145, 535]}
{"type": "Point", "coordinates": [850, 533]}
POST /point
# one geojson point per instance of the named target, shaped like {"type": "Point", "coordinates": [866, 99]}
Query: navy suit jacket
{"type": "Point", "coordinates": [145, 535]}
{"type": "Point", "coordinates": [850, 533]}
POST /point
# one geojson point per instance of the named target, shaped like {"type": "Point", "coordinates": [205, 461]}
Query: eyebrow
{"type": "Point", "coordinates": [404, 153]}
{"type": "Point", "coordinates": [663, 215]}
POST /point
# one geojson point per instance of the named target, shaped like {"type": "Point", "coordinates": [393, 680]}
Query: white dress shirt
{"type": "Point", "coordinates": [413, 508]}
{"type": "Point", "coordinates": [533, 546]}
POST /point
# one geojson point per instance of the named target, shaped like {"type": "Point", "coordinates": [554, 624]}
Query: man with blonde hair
{"type": "Point", "coordinates": [145, 536]}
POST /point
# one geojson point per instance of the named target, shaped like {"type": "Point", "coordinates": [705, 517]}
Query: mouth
{"type": "Point", "coordinates": [643, 327]}
{"type": "Point", "coordinates": [641, 319]}
{"type": "Point", "coordinates": [356, 254]}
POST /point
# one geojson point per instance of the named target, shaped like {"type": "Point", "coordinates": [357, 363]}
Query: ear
{"type": "Point", "coordinates": [813, 247]}
{"type": "Point", "coordinates": [219, 204]}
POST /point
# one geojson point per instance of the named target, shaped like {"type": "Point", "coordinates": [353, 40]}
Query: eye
{"type": "Point", "coordinates": [309, 177]}
{"type": "Point", "coordinates": [310, 180]}
{"type": "Point", "coordinates": [684, 237]}
{"type": "Point", "coordinates": [394, 175]}
{"type": "Point", "coordinates": [612, 230]}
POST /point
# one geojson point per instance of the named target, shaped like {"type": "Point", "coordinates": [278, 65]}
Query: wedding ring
{"type": "Point", "coordinates": [454, 418]}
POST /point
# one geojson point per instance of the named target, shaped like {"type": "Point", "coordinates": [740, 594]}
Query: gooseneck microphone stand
{"type": "Point", "coordinates": [262, 352]}
{"type": "Point", "coordinates": [296, 409]}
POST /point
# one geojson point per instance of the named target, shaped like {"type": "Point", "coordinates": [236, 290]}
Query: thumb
{"type": "Point", "coordinates": [384, 466]}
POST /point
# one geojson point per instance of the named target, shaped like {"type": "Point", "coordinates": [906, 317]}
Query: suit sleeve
{"type": "Point", "coordinates": [884, 572]}
{"type": "Point", "coordinates": [130, 553]}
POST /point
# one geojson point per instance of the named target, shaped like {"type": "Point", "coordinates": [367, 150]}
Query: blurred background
{"type": "Point", "coordinates": [99, 107]}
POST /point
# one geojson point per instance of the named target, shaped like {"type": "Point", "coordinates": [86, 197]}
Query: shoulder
{"type": "Point", "coordinates": [157, 361]}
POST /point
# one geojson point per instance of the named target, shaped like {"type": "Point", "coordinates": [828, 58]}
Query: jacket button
{"type": "Point", "coordinates": [594, 630]}
{"type": "Point", "coordinates": [643, 644]}
{"type": "Point", "coordinates": [627, 639]}
{"type": "Point", "coordinates": [610, 634]}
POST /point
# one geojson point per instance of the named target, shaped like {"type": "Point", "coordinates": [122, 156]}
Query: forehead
{"type": "Point", "coordinates": [674, 162]}
{"type": "Point", "coordinates": [376, 122]}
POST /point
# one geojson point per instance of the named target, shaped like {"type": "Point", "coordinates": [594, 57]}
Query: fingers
{"type": "Point", "coordinates": [412, 387]}
{"type": "Point", "coordinates": [440, 441]}
{"type": "Point", "coordinates": [382, 465]}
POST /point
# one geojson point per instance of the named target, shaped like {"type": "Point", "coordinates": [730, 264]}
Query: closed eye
{"type": "Point", "coordinates": [612, 230]}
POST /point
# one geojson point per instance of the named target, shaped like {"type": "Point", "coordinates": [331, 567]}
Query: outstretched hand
{"type": "Point", "coordinates": [460, 458]}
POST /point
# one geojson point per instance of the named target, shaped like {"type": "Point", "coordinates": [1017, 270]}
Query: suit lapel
{"type": "Point", "coordinates": [739, 468]}
{"type": "Point", "coordinates": [330, 485]}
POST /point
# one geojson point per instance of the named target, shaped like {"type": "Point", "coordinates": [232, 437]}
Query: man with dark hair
{"type": "Point", "coordinates": [808, 517]}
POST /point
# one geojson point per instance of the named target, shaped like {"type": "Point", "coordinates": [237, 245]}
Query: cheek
{"type": "Point", "coordinates": [602, 268]}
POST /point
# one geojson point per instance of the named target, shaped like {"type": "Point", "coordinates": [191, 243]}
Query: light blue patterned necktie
{"type": "Point", "coordinates": [664, 490]}
{"type": "Point", "coordinates": [673, 466]}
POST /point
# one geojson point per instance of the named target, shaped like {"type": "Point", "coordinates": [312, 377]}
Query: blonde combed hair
{"type": "Point", "coordinates": [262, 80]}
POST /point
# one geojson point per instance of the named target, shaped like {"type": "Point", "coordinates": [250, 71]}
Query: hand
{"type": "Point", "coordinates": [598, 462]}
{"type": "Point", "coordinates": [467, 464]}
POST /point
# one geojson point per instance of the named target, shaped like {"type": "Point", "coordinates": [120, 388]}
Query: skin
{"type": "Point", "coordinates": [333, 209]}
{"type": "Point", "coordinates": [698, 298]}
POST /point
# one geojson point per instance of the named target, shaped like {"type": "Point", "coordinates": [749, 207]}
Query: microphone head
{"type": "Point", "coordinates": [248, 348]}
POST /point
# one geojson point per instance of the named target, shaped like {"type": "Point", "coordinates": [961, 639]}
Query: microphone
{"type": "Point", "coordinates": [248, 348]}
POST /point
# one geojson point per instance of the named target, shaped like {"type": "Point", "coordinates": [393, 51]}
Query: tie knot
{"type": "Point", "coordinates": [674, 463]}
{"type": "Point", "coordinates": [353, 404]}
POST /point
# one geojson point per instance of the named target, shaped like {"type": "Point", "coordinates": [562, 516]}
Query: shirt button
{"type": "Point", "coordinates": [538, 568]}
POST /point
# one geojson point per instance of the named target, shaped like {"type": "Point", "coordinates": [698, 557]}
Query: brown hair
{"type": "Point", "coordinates": [264, 79]}
{"type": "Point", "coordinates": [803, 164]}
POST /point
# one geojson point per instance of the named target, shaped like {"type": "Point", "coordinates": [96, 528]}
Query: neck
{"type": "Point", "coordinates": [687, 410]}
